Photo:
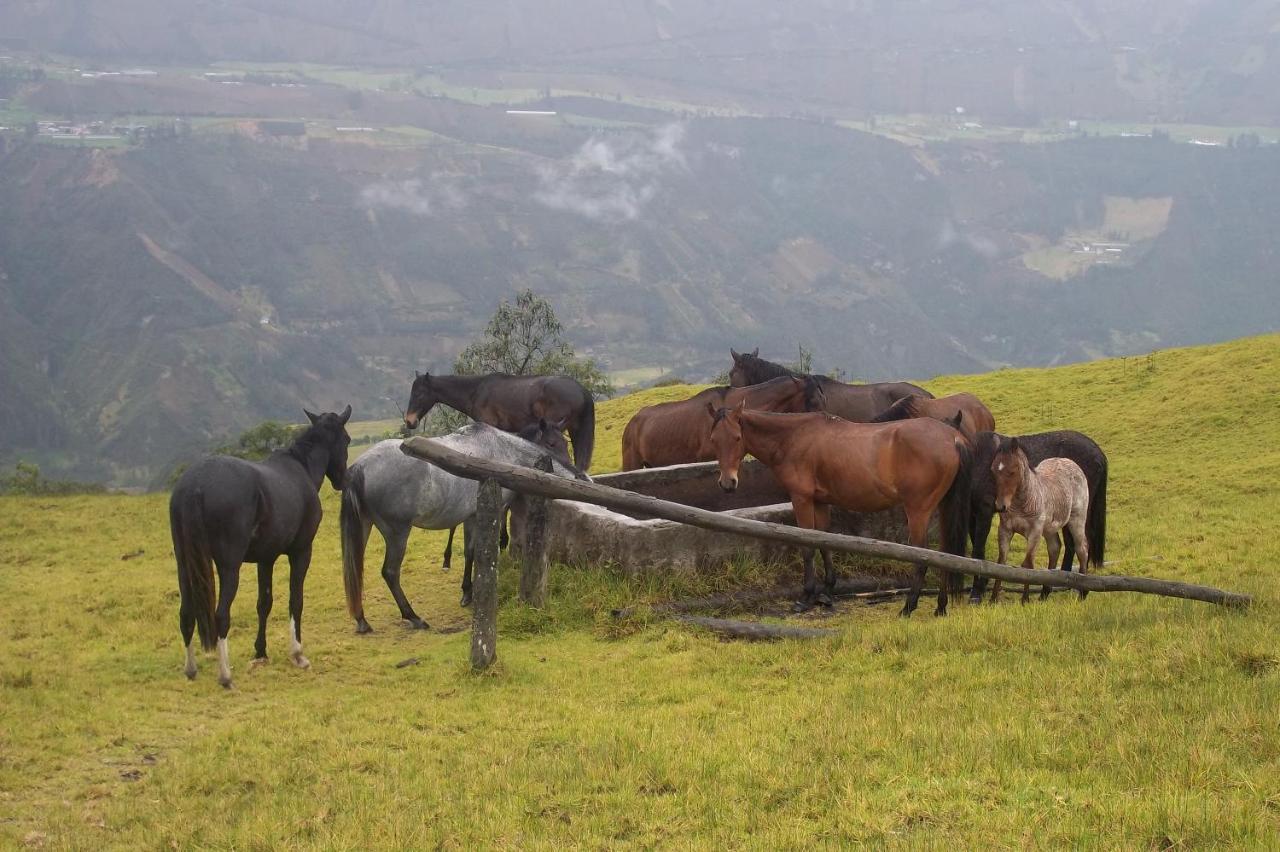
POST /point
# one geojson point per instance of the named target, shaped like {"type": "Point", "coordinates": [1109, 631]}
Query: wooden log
{"type": "Point", "coordinates": [754, 630]}
{"type": "Point", "coordinates": [535, 482]}
{"type": "Point", "coordinates": [484, 594]}
{"type": "Point", "coordinates": [845, 587]}
{"type": "Point", "coordinates": [534, 567]}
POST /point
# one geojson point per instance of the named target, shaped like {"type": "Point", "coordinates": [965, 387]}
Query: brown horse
{"type": "Point", "coordinates": [511, 403]}
{"type": "Point", "coordinates": [974, 416]}
{"type": "Point", "coordinates": [824, 461]}
{"type": "Point", "coordinates": [858, 403]}
{"type": "Point", "coordinates": [680, 432]}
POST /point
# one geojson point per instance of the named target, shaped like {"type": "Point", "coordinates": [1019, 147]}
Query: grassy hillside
{"type": "Point", "coordinates": [1119, 722]}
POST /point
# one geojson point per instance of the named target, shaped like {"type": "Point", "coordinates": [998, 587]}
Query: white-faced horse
{"type": "Point", "coordinates": [395, 493]}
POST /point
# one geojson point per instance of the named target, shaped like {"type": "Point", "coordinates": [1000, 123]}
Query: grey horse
{"type": "Point", "coordinates": [388, 489]}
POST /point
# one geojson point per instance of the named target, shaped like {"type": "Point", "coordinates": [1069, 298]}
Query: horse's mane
{"type": "Point", "coordinates": [759, 370]}
{"type": "Point", "coordinates": [903, 409]}
{"type": "Point", "coordinates": [302, 445]}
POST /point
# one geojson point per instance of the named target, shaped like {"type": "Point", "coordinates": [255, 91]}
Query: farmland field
{"type": "Point", "coordinates": [1117, 722]}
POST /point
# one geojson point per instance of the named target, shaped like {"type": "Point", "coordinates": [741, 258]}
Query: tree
{"type": "Point", "coordinates": [259, 442]}
{"type": "Point", "coordinates": [523, 338]}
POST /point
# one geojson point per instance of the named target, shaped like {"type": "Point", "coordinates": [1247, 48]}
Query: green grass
{"type": "Point", "coordinates": [1120, 722]}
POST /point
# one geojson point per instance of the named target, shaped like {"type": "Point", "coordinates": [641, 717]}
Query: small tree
{"type": "Point", "coordinates": [259, 442]}
{"type": "Point", "coordinates": [523, 338]}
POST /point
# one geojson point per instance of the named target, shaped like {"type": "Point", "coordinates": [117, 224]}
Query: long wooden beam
{"type": "Point", "coordinates": [530, 481]}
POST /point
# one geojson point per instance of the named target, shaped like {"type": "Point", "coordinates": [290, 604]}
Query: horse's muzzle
{"type": "Point", "coordinates": [411, 420]}
{"type": "Point", "coordinates": [729, 485]}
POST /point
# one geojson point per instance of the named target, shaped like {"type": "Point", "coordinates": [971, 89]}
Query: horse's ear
{"type": "Point", "coordinates": [561, 424]}
{"type": "Point", "coordinates": [542, 423]}
{"type": "Point", "coordinates": [1014, 446]}
{"type": "Point", "coordinates": [755, 352]}
{"type": "Point", "coordinates": [741, 406]}
{"type": "Point", "coordinates": [345, 415]}
{"type": "Point", "coordinates": [995, 442]}
{"type": "Point", "coordinates": [955, 421]}
{"type": "Point", "coordinates": [312, 417]}
{"type": "Point", "coordinates": [416, 374]}
{"type": "Point", "coordinates": [734, 353]}
{"type": "Point", "coordinates": [711, 409]}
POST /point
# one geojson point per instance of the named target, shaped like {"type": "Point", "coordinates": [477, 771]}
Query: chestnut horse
{"type": "Point", "coordinates": [1039, 502]}
{"type": "Point", "coordinates": [824, 461]}
{"type": "Point", "coordinates": [858, 403]}
{"type": "Point", "coordinates": [974, 416]}
{"type": "Point", "coordinates": [680, 432]}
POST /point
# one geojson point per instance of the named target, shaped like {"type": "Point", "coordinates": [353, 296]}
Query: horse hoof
{"type": "Point", "coordinates": [258, 661]}
{"type": "Point", "coordinates": [939, 613]}
{"type": "Point", "coordinates": [801, 606]}
{"type": "Point", "coordinates": [225, 682]}
{"type": "Point", "coordinates": [363, 627]}
{"type": "Point", "coordinates": [826, 601]}
{"type": "Point", "coordinates": [301, 661]}
{"type": "Point", "coordinates": [190, 673]}
{"type": "Point", "coordinates": [419, 624]}
{"type": "Point", "coordinates": [905, 613]}
{"type": "Point", "coordinates": [974, 601]}
{"type": "Point", "coordinates": [466, 601]}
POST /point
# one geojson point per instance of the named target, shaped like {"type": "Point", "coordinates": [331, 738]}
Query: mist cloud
{"type": "Point", "coordinates": [609, 180]}
{"type": "Point", "coordinates": [414, 195]}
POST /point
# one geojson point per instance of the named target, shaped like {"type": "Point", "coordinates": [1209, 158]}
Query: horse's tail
{"type": "Point", "coordinates": [631, 455]}
{"type": "Point", "coordinates": [355, 534]}
{"type": "Point", "coordinates": [1095, 526]}
{"type": "Point", "coordinates": [584, 434]}
{"type": "Point", "coordinates": [903, 409]}
{"type": "Point", "coordinates": [953, 512]}
{"type": "Point", "coordinates": [195, 561]}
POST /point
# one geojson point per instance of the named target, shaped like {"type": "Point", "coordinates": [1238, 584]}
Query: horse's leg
{"type": "Point", "coordinates": [1029, 561]}
{"type": "Point", "coordinates": [1076, 525]}
{"type": "Point", "coordinates": [468, 557]}
{"type": "Point", "coordinates": [187, 622]}
{"type": "Point", "coordinates": [1003, 536]}
{"type": "Point", "coordinates": [822, 521]}
{"type": "Point", "coordinates": [228, 582]}
{"type": "Point", "coordinates": [448, 550]}
{"type": "Point", "coordinates": [804, 512]}
{"type": "Point", "coordinates": [503, 538]}
{"type": "Point", "coordinates": [298, 564]}
{"type": "Point", "coordinates": [979, 529]}
{"type": "Point", "coordinates": [917, 536]}
{"type": "Point", "coordinates": [1055, 547]}
{"type": "Point", "coordinates": [265, 568]}
{"type": "Point", "coordinates": [397, 542]}
{"type": "Point", "coordinates": [1069, 548]}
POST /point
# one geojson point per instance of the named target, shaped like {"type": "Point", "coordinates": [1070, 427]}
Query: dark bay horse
{"type": "Point", "coordinates": [395, 493]}
{"type": "Point", "coordinates": [858, 403]}
{"type": "Point", "coordinates": [511, 403]}
{"type": "Point", "coordinates": [680, 432]}
{"type": "Point", "coordinates": [226, 511]}
{"type": "Point", "coordinates": [974, 416]}
{"type": "Point", "coordinates": [1081, 449]}
{"type": "Point", "coordinates": [1039, 502]}
{"type": "Point", "coordinates": [825, 461]}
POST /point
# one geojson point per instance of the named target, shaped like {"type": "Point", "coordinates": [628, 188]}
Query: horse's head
{"type": "Point", "coordinates": [815, 398]}
{"type": "Point", "coordinates": [726, 440]}
{"type": "Point", "coordinates": [421, 399]}
{"type": "Point", "coordinates": [738, 374]}
{"type": "Point", "coordinates": [330, 431]}
{"type": "Point", "coordinates": [550, 436]}
{"type": "Point", "coordinates": [1009, 467]}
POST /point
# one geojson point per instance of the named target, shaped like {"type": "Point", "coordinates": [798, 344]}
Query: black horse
{"type": "Point", "coordinates": [226, 511]}
{"type": "Point", "coordinates": [1081, 449]}
{"type": "Point", "coordinates": [512, 403]}
{"type": "Point", "coordinates": [859, 403]}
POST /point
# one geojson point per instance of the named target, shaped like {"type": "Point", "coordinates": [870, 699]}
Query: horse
{"type": "Point", "coordinates": [389, 490]}
{"type": "Point", "coordinates": [546, 435]}
{"type": "Point", "coordinates": [824, 461]}
{"type": "Point", "coordinates": [963, 408]}
{"type": "Point", "coordinates": [511, 403]}
{"type": "Point", "coordinates": [679, 432]}
{"type": "Point", "coordinates": [858, 403]}
{"type": "Point", "coordinates": [1038, 502]}
{"type": "Point", "coordinates": [1081, 449]}
{"type": "Point", "coordinates": [226, 511]}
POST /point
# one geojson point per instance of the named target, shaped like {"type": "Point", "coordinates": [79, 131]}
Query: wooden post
{"type": "Point", "coordinates": [535, 482]}
{"type": "Point", "coordinates": [533, 574]}
{"type": "Point", "coordinates": [484, 595]}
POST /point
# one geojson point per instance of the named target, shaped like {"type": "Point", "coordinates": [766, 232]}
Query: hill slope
{"type": "Point", "coordinates": [1139, 720]}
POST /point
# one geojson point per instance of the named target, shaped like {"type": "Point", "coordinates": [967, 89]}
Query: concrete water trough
{"type": "Point", "coordinates": [582, 533]}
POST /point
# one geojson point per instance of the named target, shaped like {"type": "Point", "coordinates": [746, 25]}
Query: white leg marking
{"type": "Point", "coordinates": [224, 663]}
{"type": "Point", "coordinates": [190, 669]}
{"type": "Point", "coordinates": [295, 648]}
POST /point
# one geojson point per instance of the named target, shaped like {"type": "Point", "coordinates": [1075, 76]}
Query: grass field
{"type": "Point", "coordinates": [1121, 722]}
